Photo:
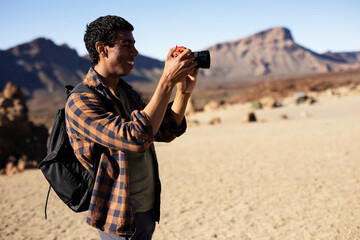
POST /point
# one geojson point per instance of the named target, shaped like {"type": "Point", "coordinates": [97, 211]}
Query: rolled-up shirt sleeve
{"type": "Point", "coordinates": [87, 118]}
{"type": "Point", "coordinates": [169, 129]}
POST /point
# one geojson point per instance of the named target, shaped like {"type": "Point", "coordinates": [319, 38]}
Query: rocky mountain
{"type": "Point", "coordinates": [271, 54]}
{"type": "Point", "coordinates": [41, 67]}
{"type": "Point", "coordinates": [346, 57]}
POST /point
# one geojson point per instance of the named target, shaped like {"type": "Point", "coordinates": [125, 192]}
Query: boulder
{"type": "Point", "coordinates": [256, 105]}
{"type": "Point", "coordinates": [212, 106]}
{"type": "Point", "coordinates": [22, 144]}
{"type": "Point", "coordinates": [215, 120]}
{"type": "Point", "coordinates": [269, 102]}
{"type": "Point", "coordinates": [305, 99]}
{"type": "Point", "coordinates": [250, 117]}
{"type": "Point", "coordinates": [11, 91]}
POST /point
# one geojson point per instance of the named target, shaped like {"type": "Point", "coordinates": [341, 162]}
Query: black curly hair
{"type": "Point", "coordinates": [105, 30]}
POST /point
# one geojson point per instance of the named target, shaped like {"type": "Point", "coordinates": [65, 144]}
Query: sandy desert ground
{"type": "Point", "coordinates": [277, 179]}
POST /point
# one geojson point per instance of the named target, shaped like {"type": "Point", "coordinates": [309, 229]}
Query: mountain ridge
{"type": "Point", "coordinates": [267, 55]}
{"type": "Point", "coordinates": [40, 67]}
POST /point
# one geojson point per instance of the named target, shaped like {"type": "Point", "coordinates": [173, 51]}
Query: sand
{"type": "Point", "coordinates": [277, 179]}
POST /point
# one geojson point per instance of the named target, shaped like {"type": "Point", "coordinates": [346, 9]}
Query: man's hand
{"type": "Point", "coordinates": [183, 93]}
{"type": "Point", "coordinates": [187, 85]}
{"type": "Point", "coordinates": [178, 68]}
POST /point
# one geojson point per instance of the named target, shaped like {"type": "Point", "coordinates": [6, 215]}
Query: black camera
{"type": "Point", "coordinates": [202, 58]}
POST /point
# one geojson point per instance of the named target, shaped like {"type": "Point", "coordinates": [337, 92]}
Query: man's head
{"type": "Point", "coordinates": [105, 30]}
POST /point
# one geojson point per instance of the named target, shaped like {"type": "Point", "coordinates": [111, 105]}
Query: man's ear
{"type": "Point", "coordinates": [101, 49]}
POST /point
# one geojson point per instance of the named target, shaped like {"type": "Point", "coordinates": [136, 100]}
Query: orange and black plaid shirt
{"type": "Point", "coordinates": [91, 122]}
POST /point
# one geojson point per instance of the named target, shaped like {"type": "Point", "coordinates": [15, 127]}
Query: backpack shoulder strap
{"type": "Point", "coordinates": [82, 88]}
{"type": "Point", "coordinates": [79, 89]}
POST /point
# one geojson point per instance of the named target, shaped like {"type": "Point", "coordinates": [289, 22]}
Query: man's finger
{"type": "Point", "coordinates": [186, 55]}
{"type": "Point", "coordinates": [171, 52]}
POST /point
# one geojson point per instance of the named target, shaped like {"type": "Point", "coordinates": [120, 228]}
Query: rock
{"type": "Point", "coordinates": [212, 106]}
{"type": "Point", "coordinates": [330, 92]}
{"type": "Point", "coordinates": [304, 114]}
{"type": "Point", "coordinates": [269, 102]}
{"type": "Point", "coordinates": [22, 144]}
{"type": "Point", "coordinates": [215, 120]}
{"type": "Point", "coordinates": [11, 91]}
{"type": "Point", "coordinates": [256, 105]}
{"type": "Point", "coordinates": [354, 89]}
{"type": "Point", "coordinates": [357, 88]}
{"type": "Point", "coordinates": [284, 116]}
{"type": "Point", "coordinates": [345, 90]}
{"type": "Point", "coordinates": [10, 169]}
{"type": "Point", "coordinates": [12, 106]}
{"type": "Point", "coordinates": [22, 163]}
{"type": "Point", "coordinates": [250, 117]}
{"type": "Point", "coordinates": [310, 100]}
{"type": "Point", "coordinates": [305, 99]}
{"type": "Point", "coordinates": [192, 123]}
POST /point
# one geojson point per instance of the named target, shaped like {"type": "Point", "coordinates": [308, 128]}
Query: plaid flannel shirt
{"type": "Point", "coordinates": [91, 122]}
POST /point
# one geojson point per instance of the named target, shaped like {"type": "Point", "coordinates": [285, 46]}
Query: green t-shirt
{"type": "Point", "coordinates": [141, 171]}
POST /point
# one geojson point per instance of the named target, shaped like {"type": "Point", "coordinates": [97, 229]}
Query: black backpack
{"type": "Point", "coordinates": [71, 181]}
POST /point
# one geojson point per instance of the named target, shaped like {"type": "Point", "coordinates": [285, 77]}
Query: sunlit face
{"type": "Point", "coordinates": [120, 58]}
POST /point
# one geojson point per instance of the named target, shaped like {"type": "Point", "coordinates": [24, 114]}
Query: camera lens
{"type": "Point", "coordinates": [202, 58]}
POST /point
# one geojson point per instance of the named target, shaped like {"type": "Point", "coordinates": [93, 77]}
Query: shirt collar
{"type": "Point", "coordinates": [94, 80]}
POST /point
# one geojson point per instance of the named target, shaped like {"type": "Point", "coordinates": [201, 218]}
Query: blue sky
{"type": "Point", "coordinates": [320, 25]}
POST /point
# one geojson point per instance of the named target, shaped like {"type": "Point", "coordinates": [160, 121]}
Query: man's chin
{"type": "Point", "coordinates": [125, 73]}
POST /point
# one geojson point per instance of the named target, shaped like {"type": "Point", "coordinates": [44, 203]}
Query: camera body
{"type": "Point", "coordinates": [202, 58]}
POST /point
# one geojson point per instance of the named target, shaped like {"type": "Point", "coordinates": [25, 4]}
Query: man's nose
{"type": "Point", "coordinates": [135, 52]}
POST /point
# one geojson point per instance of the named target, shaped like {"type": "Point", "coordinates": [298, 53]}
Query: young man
{"type": "Point", "coordinates": [126, 197]}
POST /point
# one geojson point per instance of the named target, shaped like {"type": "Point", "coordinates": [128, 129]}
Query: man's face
{"type": "Point", "coordinates": [121, 57]}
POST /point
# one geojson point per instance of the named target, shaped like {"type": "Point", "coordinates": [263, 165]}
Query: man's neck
{"type": "Point", "coordinates": [108, 79]}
